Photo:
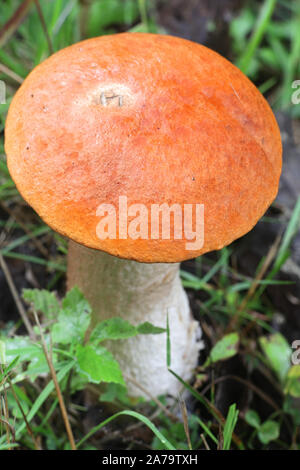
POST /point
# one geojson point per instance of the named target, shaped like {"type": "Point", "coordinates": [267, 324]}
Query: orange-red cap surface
{"type": "Point", "coordinates": [154, 118]}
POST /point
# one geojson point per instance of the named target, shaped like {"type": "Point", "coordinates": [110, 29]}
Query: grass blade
{"type": "Point", "coordinates": [136, 415]}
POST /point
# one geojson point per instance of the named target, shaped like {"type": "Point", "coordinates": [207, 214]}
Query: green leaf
{"type": "Point", "coordinates": [278, 352]}
{"type": "Point", "coordinates": [43, 301]}
{"type": "Point", "coordinates": [225, 348]}
{"type": "Point", "coordinates": [118, 328]}
{"type": "Point", "coordinates": [28, 352]}
{"type": "Point", "coordinates": [269, 431]}
{"type": "Point", "coordinates": [23, 347]}
{"type": "Point", "coordinates": [115, 392]}
{"type": "Point", "coordinates": [73, 319]}
{"type": "Point", "coordinates": [229, 426]}
{"type": "Point", "coordinates": [75, 300]}
{"type": "Point", "coordinates": [114, 328]}
{"type": "Point", "coordinates": [8, 368]}
{"type": "Point", "coordinates": [149, 329]}
{"type": "Point", "coordinates": [252, 418]}
{"type": "Point", "coordinates": [98, 364]}
{"type": "Point", "coordinates": [292, 386]}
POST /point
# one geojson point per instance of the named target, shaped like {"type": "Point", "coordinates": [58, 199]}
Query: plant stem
{"type": "Point", "coordinates": [263, 20]}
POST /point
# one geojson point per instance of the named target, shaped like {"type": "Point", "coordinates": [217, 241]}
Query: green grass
{"type": "Point", "coordinates": [266, 46]}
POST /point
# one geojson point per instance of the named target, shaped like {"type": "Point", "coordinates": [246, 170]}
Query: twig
{"type": "Point", "coordinates": [204, 441]}
{"type": "Point", "coordinates": [6, 415]}
{"type": "Point", "coordinates": [57, 387]}
{"type": "Point", "coordinates": [36, 445]}
{"type": "Point", "coordinates": [143, 13]}
{"type": "Point", "coordinates": [14, 21]}
{"type": "Point", "coordinates": [11, 74]}
{"type": "Point", "coordinates": [9, 429]}
{"type": "Point", "coordinates": [83, 16]}
{"type": "Point", "coordinates": [16, 297]}
{"type": "Point", "coordinates": [185, 421]}
{"type": "Point", "coordinates": [44, 25]}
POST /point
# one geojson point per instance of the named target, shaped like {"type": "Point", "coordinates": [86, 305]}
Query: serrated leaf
{"type": "Point", "coordinates": [73, 319]}
{"type": "Point", "coordinates": [252, 418]}
{"type": "Point", "coordinates": [43, 301]}
{"type": "Point", "coordinates": [75, 299]}
{"type": "Point", "coordinates": [269, 431]}
{"type": "Point", "coordinates": [225, 348]}
{"type": "Point", "coordinates": [278, 352]}
{"type": "Point", "coordinates": [113, 328]}
{"type": "Point", "coordinates": [98, 364]}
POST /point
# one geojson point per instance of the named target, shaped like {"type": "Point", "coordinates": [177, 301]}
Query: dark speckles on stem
{"type": "Point", "coordinates": [193, 178]}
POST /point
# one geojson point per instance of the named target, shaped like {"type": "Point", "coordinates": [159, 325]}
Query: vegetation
{"type": "Point", "coordinates": [48, 378]}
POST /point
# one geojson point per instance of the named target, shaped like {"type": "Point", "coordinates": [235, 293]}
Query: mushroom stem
{"type": "Point", "coordinates": [138, 293]}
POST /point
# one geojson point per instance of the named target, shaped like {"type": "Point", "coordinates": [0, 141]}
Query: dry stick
{"type": "Point", "coordinates": [14, 21]}
{"type": "Point", "coordinates": [269, 258]}
{"type": "Point", "coordinates": [16, 297]}
{"type": "Point", "coordinates": [9, 429]}
{"type": "Point", "coordinates": [221, 438]}
{"type": "Point", "coordinates": [84, 6]}
{"type": "Point", "coordinates": [44, 26]}
{"type": "Point", "coordinates": [30, 432]}
{"type": "Point", "coordinates": [56, 384]}
{"type": "Point", "coordinates": [185, 421]}
{"type": "Point", "coordinates": [11, 74]}
{"type": "Point", "coordinates": [204, 441]}
{"type": "Point", "coordinates": [6, 416]}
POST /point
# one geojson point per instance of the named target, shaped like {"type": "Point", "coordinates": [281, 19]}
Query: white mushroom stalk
{"type": "Point", "coordinates": [140, 292]}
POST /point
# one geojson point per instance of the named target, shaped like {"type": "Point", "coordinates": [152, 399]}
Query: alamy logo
{"type": "Point", "coordinates": [296, 94]}
{"type": "Point", "coordinates": [159, 222]}
{"type": "Point", "coordinates": [296, 354]}
{"type": "Point", "coordinates": [2, 92]}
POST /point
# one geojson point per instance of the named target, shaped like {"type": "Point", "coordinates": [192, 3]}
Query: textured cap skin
{"type": "Point", "coordinates": [154, 118]}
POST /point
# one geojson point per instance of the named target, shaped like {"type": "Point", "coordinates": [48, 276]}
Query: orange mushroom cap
{"type": "Point", "coordinates": [154, 118]}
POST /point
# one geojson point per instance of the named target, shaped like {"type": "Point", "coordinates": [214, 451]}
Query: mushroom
{"type": "Point", "coordinates": [113, 137]}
